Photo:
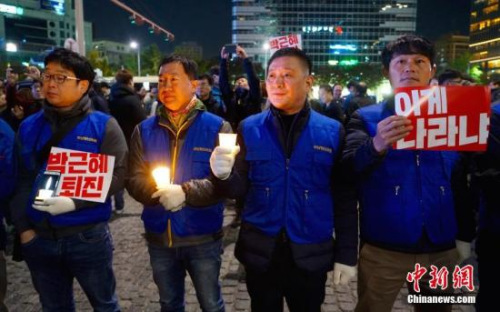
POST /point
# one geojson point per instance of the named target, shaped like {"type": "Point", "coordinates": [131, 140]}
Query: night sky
{"type": "Point", "coordinates": [208, 22]}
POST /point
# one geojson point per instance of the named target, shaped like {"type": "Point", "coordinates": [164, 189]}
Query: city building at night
{"type": "Point", "coordinates": [485, 35]}
{"type": "Point", "coordinates": [113, 52]}
{"type": "Point", "coordinates": [334, 33]}
{"type": "Point", "coordinates": [29, 27]}
{"type": "Point", "coordinates": [449, 48]}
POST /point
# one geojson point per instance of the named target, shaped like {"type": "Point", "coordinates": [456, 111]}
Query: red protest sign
{"type": "Point", "coordinates": [453, 118]}
{"type": "Point", "coordinates": [83, 175]}
{"type": "Point", "coordinates": [288, 41]}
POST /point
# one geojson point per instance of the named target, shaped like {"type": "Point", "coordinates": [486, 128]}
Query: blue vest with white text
{"type": "Point", "coordinates": [409, 191]}
{"type": "Point", "coordinates": [192, 163]}
{"type": "Point", "coordinates": [87, 136]}
{"type": "Point", "coordinates": [294, 194]}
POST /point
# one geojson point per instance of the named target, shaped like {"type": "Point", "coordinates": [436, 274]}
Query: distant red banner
{"type": "Point", "coordinates": [445, 118]}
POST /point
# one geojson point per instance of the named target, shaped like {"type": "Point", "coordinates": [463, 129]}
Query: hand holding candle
{"type": "Point", "coordinates": [223, 156]}
{"type": "Point", "coordinates": [161, 176]}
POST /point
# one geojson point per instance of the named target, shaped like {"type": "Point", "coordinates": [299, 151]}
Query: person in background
{"type": "Point", "coordinates": [328, 105]}
{"type": "Point", "coordinates": [245, 98]}
{"type": "Point", "coordinates": [125, 105]}
{"type": "Point", "coordinates": [204, 93]}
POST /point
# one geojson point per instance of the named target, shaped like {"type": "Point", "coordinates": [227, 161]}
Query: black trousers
{"type": "Point", "coordinates": [487, 245]}
{"type": "Point", "coordinates": [303, 291]}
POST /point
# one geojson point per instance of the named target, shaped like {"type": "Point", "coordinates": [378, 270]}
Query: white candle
{"type": "Point", "coordinates": [227, 140]}
{"type": "Point", "coordinates": [161, 176]}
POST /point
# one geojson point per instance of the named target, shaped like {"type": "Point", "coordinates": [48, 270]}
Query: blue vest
{"type": "Point", "coordinates": [407, 192]}
{"type": "Point", "coordinates": [34, 133]}
{"type": "Point", "coordinates": [192, 163]}
{"type": "Point", "coordinates": [294, 193]}
{"type": "Point", "coordinates": [7, 165]}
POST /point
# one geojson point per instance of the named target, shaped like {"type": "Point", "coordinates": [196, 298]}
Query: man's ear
{"type": "Point", "coordinates": [310, 81]}
{"type": "Point", "coordinates": [433, 70]}
{"type": "Point", "coordinates": [83, 86]}
{"type": "Point", "coordinates": [194, 83]}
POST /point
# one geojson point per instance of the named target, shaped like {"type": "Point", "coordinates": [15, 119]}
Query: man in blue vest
{"type": "Point", "coordinates": [415, 206]}
{"type": "Point", "coordinates": [183, 220]}
{"type": "Point", "coordinates": [487, 178]}
{"type": "Point", "coordinates": [7, 183]}
{"type": "Point", "coordinates": [299, 219]}
{"type": "Point", "coordinates": [64, 238]}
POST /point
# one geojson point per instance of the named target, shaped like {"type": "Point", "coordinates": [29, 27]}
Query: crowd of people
{"type": "Point", "coordinates": [318, 186]}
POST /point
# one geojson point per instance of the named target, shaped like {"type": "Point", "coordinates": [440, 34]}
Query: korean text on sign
{"type": "Point", "coordinates": [445, 118]}
{"type": "Point", "coordinates": [83, 175]}
{"type": "Point", "coordinates": [288, 41]}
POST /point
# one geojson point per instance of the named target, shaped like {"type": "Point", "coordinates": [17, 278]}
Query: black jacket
{"type": "Point", "coordinates": [126, 107]}
{"type": "Point", "coordinates": [240, 105]}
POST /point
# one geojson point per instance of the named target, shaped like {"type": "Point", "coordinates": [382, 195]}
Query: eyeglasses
{"type": "Point", "coordinates": [59, 79]}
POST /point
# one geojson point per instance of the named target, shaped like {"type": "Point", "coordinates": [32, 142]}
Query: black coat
{"type": "Point", "coordinates": [125, 105]}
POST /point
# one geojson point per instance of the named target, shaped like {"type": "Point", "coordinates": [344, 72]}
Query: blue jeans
{"type": "Point", "coordinates": [202, 262]}
{"type": "Point", "coordinates": [86, 256]}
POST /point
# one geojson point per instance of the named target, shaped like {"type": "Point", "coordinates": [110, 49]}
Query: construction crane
{"type": "Point", "coordinates": [140, 19]}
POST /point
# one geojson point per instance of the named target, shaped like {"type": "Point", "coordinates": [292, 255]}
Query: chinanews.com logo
{"type": "Point", "coordinates": [462, 279]}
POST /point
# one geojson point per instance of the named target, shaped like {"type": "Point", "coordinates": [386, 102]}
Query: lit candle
{"type": "Point", "coordinates": [227, 140]}
{"type": "Point", "coordinates": [46, 192]}
{"type": "Point", "coordinates": [161, 176]}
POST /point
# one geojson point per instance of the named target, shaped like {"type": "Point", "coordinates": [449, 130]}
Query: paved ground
{"type": "Point", "coordinates": [135, 286]}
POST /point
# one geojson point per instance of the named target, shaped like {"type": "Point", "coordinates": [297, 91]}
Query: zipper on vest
{"type": "Point", "coordinates": [418, 160]}
{"type": "Point", "coordinates": [169, 234]}
{"type": "Point", "coordinates": [267, 192]}
{"type": "Point", "coordinates": [396, 190]}
{"type": "Point", "coordinates": [176, 152]}
{"type": "Point", "coordinates": [306, 194]}
{"type": "Point", "coordinates": [442, 190]}
{"type": "Point", "coordinates": [287, 163]}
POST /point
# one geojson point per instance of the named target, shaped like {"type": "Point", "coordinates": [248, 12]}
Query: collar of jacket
{"type": "Point", "coordinates": [163, 119]}
{"type": "Point", "coordinates": [55, 114]}
{"type": "Point", "coordinates": [305, 111]}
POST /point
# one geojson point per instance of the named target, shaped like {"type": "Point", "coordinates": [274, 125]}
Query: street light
{"type": "Point", "coordinates": [134, 45]}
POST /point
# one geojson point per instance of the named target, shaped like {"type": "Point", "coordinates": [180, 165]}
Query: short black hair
{"type": "Point", "coordinates": [104, 84]}
{"type": "Point", "coordinates": [449, 74]}
{"type": "Point", "coordinates": [72, 61]}
{"type": "Point", "coordinates": [214, 70]}
{"type": "Point", "coordinates": [208, 78]}
{"type": "Point", "coordinates": [123, 76]}
{"type": "Point", "coordinates": [408, 44]}
{"type": "Point", "coordinates": [352, 83]}
{"type": "Point", "coordinates": [327, 88]}
{"type": "Point", "coordinates": [189, 65]}
{"type": "Point", "coordinates": [293, 52]}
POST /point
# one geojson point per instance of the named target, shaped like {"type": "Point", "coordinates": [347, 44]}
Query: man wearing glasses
{"type": "Point", "coordinates": [64, 238]}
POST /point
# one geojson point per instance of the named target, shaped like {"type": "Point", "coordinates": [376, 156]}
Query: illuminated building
{"type": "Point", "coordinates": [485, 35]}
{"type": "Point", "coordinates": [335, 33]}
{"type": "Point", "coordinates": [35, 26]}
